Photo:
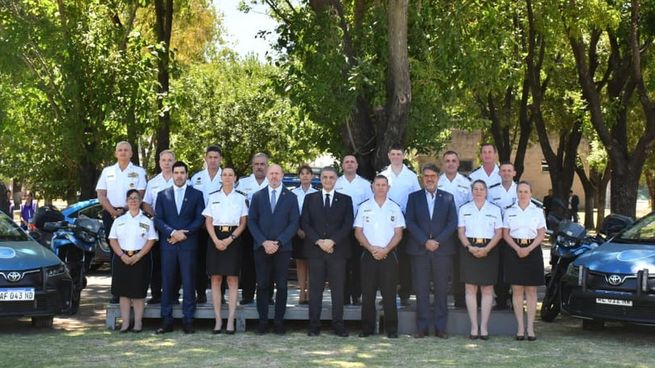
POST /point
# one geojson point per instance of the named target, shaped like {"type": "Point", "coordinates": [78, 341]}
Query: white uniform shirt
{"type": "Point", "coordinates": [156, 185]}
{"type": "Point", "coordinates": [226, 210]}
{"type": "Point", "coordinates": [117, 182]}
{"type": "Point", "coordinates": [249, 185]}
{"type": "Point", "coordinates": [300, 194]}
{"type": "Point", "coordinates": [480, 174]}
{"type": "Point", "coordinates": [501, 197]}
{"type": "Point", "coordinates": [133, 233]}
{"type": "Point", "coordinates": [401, 185]}
{"type": "Point", "coordinates": [459, 187]}
{"type": "Point", "coordinates": [480, 223]}
{"type": "Point", "coordinates": [379, 223]}
{"type": "Point", "coordinates": [523, 224]}
{"type": "Point", "coordinates": [203, 183]}
{"type": "Point", "coordinates": [359, 190]}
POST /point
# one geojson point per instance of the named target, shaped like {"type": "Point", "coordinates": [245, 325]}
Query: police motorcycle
{"type": "Point", "coordinates": [570, 242]}
{"type": "Point", "coordinates": [74, 244]}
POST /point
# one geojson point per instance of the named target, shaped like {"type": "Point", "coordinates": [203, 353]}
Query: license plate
{"type": "Point", "coordinates": [14, 295]}
{"type": "Point", "coordinates": [623, 303]}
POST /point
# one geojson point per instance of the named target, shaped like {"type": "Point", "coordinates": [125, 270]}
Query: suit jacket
{"type": "Point", "coordinates": [441, 227]}
{"type": "Point", "coordinates": [280, 225]}
{"type": "Point", "coordinates": [190, 217]}
{"type": "Point", "coordinates": [336, 223]}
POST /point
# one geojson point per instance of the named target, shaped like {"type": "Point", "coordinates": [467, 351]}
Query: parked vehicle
{"type": "Point", "coordinates": [75, 244]}
{"type": "Point", "coordinates": [34, 282]}
{"type": "Point", "coordinates": [616, 281]}
{"type": "Point", "coordinates": [571, 241]}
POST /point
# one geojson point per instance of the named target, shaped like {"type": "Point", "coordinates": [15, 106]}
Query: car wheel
{"type": "Point", "coordinates": [42, 322]}
{"type": "Point", "coordinates": [592, 324]}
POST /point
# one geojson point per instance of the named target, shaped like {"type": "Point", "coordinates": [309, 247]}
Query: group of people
{"type": "Point", "coordinates": [477, 233]}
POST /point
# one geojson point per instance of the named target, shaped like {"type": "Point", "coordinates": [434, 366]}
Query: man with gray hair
{"type": "Point", "coordinates": [114, 183]}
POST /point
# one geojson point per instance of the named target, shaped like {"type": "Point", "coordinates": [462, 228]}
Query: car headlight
{"type": "Point", "coordinates": [573, 271]}
{"type": "Point", "coordinates": [57, 270]}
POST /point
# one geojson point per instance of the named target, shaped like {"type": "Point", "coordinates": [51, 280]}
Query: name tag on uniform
{"type": "Point", "coordinates": [133, 175]}
{"type": "Point", "coordinates": [466, 214]}
{"type": "Point", "coordinates": [489, 215]}
{"type": "Point", "coordinates": [511, 215]}
{"type": "Point", "coordinates": [120, 224]}
{"type": "Point", "coordinates": [111, 177]}
{"type": "Point", "coordinates": [144, 226]}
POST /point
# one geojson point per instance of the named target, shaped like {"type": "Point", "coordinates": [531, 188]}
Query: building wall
{"type": "Point", "coordinates": [467, 146]}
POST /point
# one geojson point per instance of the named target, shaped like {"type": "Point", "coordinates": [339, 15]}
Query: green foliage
{"type": "Point", "coordinates": [232, 103]}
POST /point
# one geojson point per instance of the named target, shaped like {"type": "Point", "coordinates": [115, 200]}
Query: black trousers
{"type": "Point", "coordinates": [333, 270]}
{"type": "Point", "coordinates": [457, 286]}
{"type": "Point", "coordinates": [155, 280]}
{"type": "Point", "coordinates": [248, 278]}
{"type": "Point", "coordinates": [379, 275]}
{"type": "Point", "coordinates": [353, 284]}
{"type": "Point", "coordinates": [404, 269]}
{"type": "Point", "coordinates": [274, 267]}
{"type": "Point", "coordinates": [502, 289]}
{"type": "Point", "coordinates": [202, 280]}
{"type": "Point", "coordinates": [108, 221]}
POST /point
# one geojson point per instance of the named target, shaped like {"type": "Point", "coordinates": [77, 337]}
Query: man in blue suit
{"type": "Point", "coordinates": [431, 220]}
{"type": "Point", "coordinates": [273, 219]}
{"type": "Point", "coordinates": [178, 218]}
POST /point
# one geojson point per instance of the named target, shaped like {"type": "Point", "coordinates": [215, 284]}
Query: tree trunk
{"type": "Point", "coordinates": [399, 95]}
{"type": "Point", "coordinates": [650, 182]}
{"type": "Point", "coordinates": [163, 27]}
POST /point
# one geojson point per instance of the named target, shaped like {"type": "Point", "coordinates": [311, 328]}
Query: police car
{"type": "Point", "coordinates": [615, 281]}
{"type": "Point", "coordinates": [34, 282]}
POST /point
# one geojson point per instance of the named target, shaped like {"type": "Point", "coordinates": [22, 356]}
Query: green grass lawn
{"type": "Point", "coordinates": [560, 344]}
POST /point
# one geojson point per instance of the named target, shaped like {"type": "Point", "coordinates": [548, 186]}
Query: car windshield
{"type": "Point", "coordinates": [642, 231]}
{"type": "Point", "coordinates": [10, 231]}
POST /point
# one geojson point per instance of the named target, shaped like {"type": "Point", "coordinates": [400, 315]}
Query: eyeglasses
{"type": "Point", "coordinates": [134, 198]}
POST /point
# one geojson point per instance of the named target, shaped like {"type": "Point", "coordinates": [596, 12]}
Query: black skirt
{"type": "Point", "coordinates": [479, 271]}
{"type": "Point", "coordinates": [226, 262]}
{"type": "Point", "coordinates": [131, 281]}
{"type": "Point", "coordinates": [528, 271]}
{"type": "Point", "coordinates": [298, 245]}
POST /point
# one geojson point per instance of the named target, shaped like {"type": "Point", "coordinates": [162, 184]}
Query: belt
{"type": "Point", "coordinates": [479, 242]}
{"type": "Point", "coordinates": [523, 242]}
{"type": "Point", "coordinates": [225, 228]}
{"type": "Point", "coordinates": [130, 253]}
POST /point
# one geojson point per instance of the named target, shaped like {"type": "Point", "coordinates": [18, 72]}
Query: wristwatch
{"type": "Point", "coordinates": [233, 236]}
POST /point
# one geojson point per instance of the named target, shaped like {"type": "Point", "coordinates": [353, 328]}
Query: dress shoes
{"type": "Point", "coordinates": [420, 335]}
{"type": "Point", "coordinates": [188, 328]}
{"type": "Point", "coordinates": [217, 332]}
{"type": "Point", "coordinates": [230, 332]}
{"type": "Point", "coordinates": [164, 329]}
{"type": "Point", "coordinates": [125, 330]}
{"type": "Point", "coordinates": [365, 334]}
{"type": "Point", "coordinates": [152, 301]}
{"type": "Point", "coordinates": [520, 337]}
{"type": "Point", "coordinates": [262, 329]}
{"type": "Point", "coordinates": [341, 332]}
{"type": "Point", "coordinates": [201, 299]}
{"type": "Point", "coordinates": [314, 332]}
{"type": "Point", "coordinates": [532, 338]}
{"type": "Point", "coordinates": [392, 335]}
{"type": "Point", "coordinates": [279, 329]}
{"type": "Point", "coordinates": [484, 337]}
{"type": "Point", "coordinates": [441, 334]}
{"type": "Point", "coordinates": [474, 337]}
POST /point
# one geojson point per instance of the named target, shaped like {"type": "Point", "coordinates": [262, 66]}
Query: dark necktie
{"type": "Point", "coordinates": [327, 201]}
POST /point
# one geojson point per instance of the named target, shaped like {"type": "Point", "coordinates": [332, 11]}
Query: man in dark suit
{"type": "Point", "coordinates": [327, 220]}
{"type": "Point", "coordinates": [178, 220]}
{"type": "Point", "coordinates": [273, 219]}
{"type": "Point", "coordinates": [431, 222]}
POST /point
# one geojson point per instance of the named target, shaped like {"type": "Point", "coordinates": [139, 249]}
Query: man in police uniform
{"type": "Point", "coordinates": [379, 228]}
{"type": "Point", "coordinates": [207, 181]}
{"type": "Point", "coordinates": [488, 172]}
{"type": "Point", "coordinates": [249, 185]}
{"type": "Point", "coordinates": [459, 186]}
{"type": "Point", "coordinates": [359, 190]}
{"type": "Point", "coordinates": [503, 195]}
{"type": "Point", "coordinates": [402, 182]}
{"type": "Point", "coordinates": [114, 183]}
{"type": "Point", "coordinates": [160, 182]}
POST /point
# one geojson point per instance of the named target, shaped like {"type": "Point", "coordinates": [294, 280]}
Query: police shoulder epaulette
{"type": "Point", "coordinates": [393, 201]}
{"type": "Point", "coordinates": [495, 185]}
{"type": "Point", "coordinates": [466, 177]}
{"type": "Point", "coordinates": [240, 192]}
{"type": "Point", "coordinates": [537, 203]}
{"type": "Point", "coordinates": [465, 203]}
{"type": "Point", "coordinates": [146, 214]}
{"type": "Point", "coordinates": [510, 206]}
{"type": "Point", "coordinates": [362, 202]}
{"type": "Point", "coordinates": [492, 203]}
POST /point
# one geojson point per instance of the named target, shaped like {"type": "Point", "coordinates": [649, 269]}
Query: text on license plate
{"type": "Point", "coordinates": [16, 294]}
{"type": "Point", "coordinates": [623, 303]}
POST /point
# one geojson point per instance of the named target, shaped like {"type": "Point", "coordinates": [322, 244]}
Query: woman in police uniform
{"type": "Point", "coordinates": [480, 229]}
{"type": "Point", "coordinates": [225, 219]}
{"type": "Point", "coordinates": [305, 174]}
{"type": "Point", "coordinates": [524, 230]}
{"type": "Point", "coordinates": [131, 237]}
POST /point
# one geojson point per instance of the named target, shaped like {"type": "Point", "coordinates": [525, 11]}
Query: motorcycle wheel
{"type": "Point", "coordinates": [551, 304]}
